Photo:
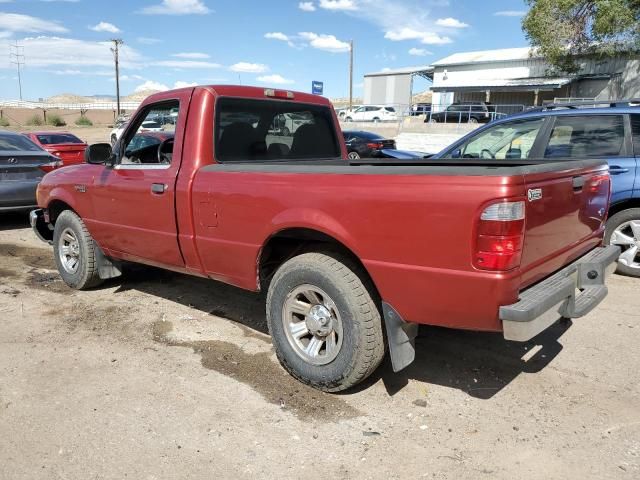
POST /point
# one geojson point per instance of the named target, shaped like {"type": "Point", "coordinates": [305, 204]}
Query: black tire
{"type": "Point", "coordinates": [348, 119]}
{"type": "Point", "coordinates": [376, 120]}
{"type": "Point", "coordinates": [114, 140]}
{"type": "Point", "coordinates": [612, 224]}
{"type": "Point", "coordinates": [286, 132]}
{"type": "Point", "coordinates": [473, 120]}
{"type": "Point", "coordinates": [354, 156]}
{"type": "Point", "coordinates": [362, 347]}
{"type": "Point", "coordinates": [86, 274]}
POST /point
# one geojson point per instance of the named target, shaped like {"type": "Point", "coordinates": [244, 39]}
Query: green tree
{"type": "Point", "coordinates": [560, 30]}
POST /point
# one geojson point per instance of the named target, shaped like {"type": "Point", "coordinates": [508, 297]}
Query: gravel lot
{"type": "Point", "coordinates": [160, 376]}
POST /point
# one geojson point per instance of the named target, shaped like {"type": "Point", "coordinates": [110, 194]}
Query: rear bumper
{"type": "Point", "coordinates": [571, 293]}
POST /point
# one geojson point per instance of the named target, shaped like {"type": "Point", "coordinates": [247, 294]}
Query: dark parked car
{"type": "Point", "coordinates": [22, 166]}
{"type": "Point", "coordinates": [419, 109]}
{"type": "Point", "coordinates": [468, 112]}
{"type": "Point", "coordinates": [366, 144]}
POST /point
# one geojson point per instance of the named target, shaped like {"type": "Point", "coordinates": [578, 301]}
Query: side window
{"type": "Point", "coordinates": [586, 136]}
{"type": "Point", "coordinates": [262, 130]}
{"type": "Point", "coordinates": [153, 128]}
{"type": "Point", "coordinates": [510, 141]}
{"type": "Point", "coordinates": [635, 128]}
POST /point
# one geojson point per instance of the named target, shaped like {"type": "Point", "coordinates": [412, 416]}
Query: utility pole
{"type": "Point", "coordinates": [17, 58]}
{"type": "Point", "coordinates": [350, 74]}
{"type": "Point", "coordinates": [116, 45]}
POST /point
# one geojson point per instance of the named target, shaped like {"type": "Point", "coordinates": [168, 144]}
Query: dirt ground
{"type": "Point", "coordinates": [160, 376]}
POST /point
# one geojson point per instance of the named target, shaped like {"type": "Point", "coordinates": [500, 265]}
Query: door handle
{"type": "Point", "coordinates": [616, 170]}
{"type": "Point", "coordinates": [158, 188]}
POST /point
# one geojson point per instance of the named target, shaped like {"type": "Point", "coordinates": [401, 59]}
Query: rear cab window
{"type": "Point", "coordinates": [58, 138]}
{"type": "Point", "coordinates": [635, 129]}
{"type": "Point", "coordinates": [271, 130]}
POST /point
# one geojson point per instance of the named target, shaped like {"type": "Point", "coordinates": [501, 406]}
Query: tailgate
{"type": "Point", "coordinates": [566, 209]}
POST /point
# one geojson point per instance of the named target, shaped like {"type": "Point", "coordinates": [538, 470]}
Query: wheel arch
{"type": "Point", "coordinates": [291, 241]}
{"type": "Point", "coordinates": [623, 205]}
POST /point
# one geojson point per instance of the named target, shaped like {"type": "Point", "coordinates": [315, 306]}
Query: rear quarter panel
{"type": "Point", "coordinates": [412, 232]}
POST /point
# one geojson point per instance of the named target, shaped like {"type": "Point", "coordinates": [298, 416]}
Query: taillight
{"type": "Point", "coordinates": [375, 145]}
{"type": "Point", "coordinates": [48, 167]}
{"type": "Point", "coordinates": [500, 235]}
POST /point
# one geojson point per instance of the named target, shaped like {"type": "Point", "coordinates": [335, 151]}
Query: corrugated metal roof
{"type": "Point", "coordinates": [485, 56]}
{"type": "Point", "coordinates": [401, 71]}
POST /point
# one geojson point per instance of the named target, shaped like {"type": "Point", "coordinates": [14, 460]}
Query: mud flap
{"type": "Point", "coordinates": [107, 268]}
{"type": "Point", "coordinates": [401, 337]}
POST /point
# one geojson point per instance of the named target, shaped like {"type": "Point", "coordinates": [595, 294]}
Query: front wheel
{"type": "Point", "coordinates": [623, 229]}
{"type": "Point", "coordinates": [376, 120]}
{"type": "Point", "coordinates": [75, 252]}
{"type": "Point", "coordinates": [325, 326]}
{"type": "Point", "coordinates": [353, 156]}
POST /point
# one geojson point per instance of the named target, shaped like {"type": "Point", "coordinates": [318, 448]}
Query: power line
{"type": "Point", "coordinates": [17, 58]}
{"type": "Point", "coordinates": [116, 46]}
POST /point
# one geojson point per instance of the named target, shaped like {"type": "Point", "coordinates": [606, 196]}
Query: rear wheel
{"type": "Point", "coordinates": [353, 156]}
{"type": "Point", "coordinates": [349, 119]}
{"type": "Point", "coordinates": [433, 120]}
{"type": "Point", "coordinates": [473, 120]}
{"type": "Point", "coordinates": [324, 323]}
{"type": "Point", "coordinates": [376, 120]}
{"type": "Point", "coordinates": [75, 252]}
{"type": "Point", "coordinates": [623, 229]}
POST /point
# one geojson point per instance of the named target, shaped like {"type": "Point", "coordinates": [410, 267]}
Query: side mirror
{"type": "Point", "coordinates": [99, 154]}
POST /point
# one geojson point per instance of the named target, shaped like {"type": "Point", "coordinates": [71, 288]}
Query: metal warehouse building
{"type": "Point", "coordinates": [513, 76]}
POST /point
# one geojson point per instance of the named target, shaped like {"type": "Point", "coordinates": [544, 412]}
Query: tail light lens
{"type": "Point", "coordinates": [500, 235]}
{"type": "Point", "coordinates": [375, 145]}
{"type": "Point", "coordinates": [48, 167]}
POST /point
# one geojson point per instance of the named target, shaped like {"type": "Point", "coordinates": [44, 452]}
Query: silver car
{"type": "Point", "coordinates": [22, 166]}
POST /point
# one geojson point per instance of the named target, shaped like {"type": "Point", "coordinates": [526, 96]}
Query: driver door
{"type": "Point", "coordinates": [135, 199]}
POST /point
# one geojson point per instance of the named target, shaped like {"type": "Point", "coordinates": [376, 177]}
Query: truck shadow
{"type": "Point", "coordinates": [14, 221]}
{"type": "Point", "coordinates": [480, 364]}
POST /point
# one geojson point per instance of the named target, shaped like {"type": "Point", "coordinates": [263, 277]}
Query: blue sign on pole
{"type": "Point", "coordinates": [317, 87]}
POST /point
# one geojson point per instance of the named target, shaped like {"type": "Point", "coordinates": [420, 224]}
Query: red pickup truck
{"type": "Point", "coordinates": [344, 250]}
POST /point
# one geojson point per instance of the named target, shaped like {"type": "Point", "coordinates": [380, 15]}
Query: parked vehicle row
{"type": "Point", "coordinates": [342, 250]}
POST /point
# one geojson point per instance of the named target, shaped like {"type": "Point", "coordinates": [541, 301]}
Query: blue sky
{"type": "Point", "coordinates": [282, 43]}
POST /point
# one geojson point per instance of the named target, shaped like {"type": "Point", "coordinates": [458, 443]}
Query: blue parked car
{"type": "Point", "coordinates": [569, 131]}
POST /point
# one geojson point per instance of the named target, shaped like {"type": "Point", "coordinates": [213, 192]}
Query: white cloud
{"type": "Point", "coordinates": [280, 36]}
{"type": "Point", "coordinates": [157, 86]}
{"type": "Point", "coordinates": [276, 36]}
{"type": "Point", "coordinates": [128, 78]}
{"type": "Point", "coordinates": [328, 43]}
{"type": "Point", "coordinates": [151, 85]}
{"type": "Point", "coordinates": [191, 55]}
{"type": "Point", "coordinates": [338, 5]}
{"type": "Point", "coordinates": [182, 84]}
{"type": "Point", "coordinates": [16, 22]}
{"type": "Point", "coordinates": [426, 37]}
{"type": "Point", "coordinates": [105, 27]}
{"type": "Point", "coordinates": [186, 64]}
{"type": "Point", "coordinates": [451, 22]}
{"type": "Point", "coordinates": [307, 6]}
{"type": "Point", "coordinates": [88, 73]}
{"type": "Point", "coordinates": [246, 67]}
{"type": "Point", "coordinates": [510, 13]}
{"type": "Point", "coordinates": [275, 80]}
{"type": "Point", "coordinates": [419, 52]}
{"type": "Point", "coordinates": [47, 51]}
{"type": "Point", "coordinates": [177, 7]}
{"type": "Point", "coordinates": [148, 40]}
